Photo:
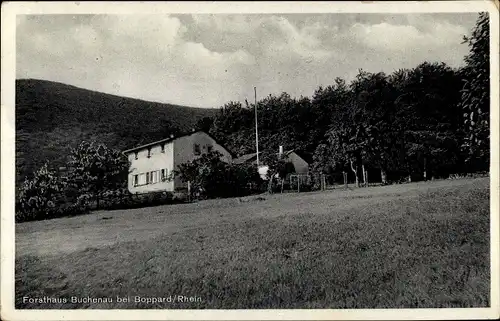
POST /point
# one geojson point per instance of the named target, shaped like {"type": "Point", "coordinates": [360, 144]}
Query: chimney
{"type": "Point", "coordinates": [280, 150]}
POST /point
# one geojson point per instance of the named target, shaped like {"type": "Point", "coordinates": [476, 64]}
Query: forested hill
{"type": "Point", "coordinates": [52, 117]}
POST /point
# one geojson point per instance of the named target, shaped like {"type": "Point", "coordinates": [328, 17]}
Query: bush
{"type": "Point", "coordinates": [40, 197]}
{"type": "Point", "coordinates": [122, 199]}
{"type": "Point", "coordinates": [210, 177]}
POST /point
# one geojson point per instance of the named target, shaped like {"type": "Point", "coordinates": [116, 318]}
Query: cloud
{"type": "Point", "coordinates": [388, 37]}
{"type": "Point", "coordinates": [208, 60]}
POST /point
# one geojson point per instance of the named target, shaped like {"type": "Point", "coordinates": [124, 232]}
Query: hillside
{"type": "Point", "coordinates": [51, 118]}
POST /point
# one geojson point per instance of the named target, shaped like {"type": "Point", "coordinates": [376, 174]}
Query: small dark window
{"type": "Point", "coordinates": [147, 178]}
{"type": "Point", "coordinates": [136, 180]}
{"type": "Point", "coordinates": [209, 148]}
{"type": "Point", "coordinates": [163, 175]}
{"type": "Point", "coordinates": [149, 152]}
{"type": "Point", "coordinates": [197, 150]}
{"type": "Point", "coordinates": [136, 155]}
{"type": "Point", "coordinates": [163, 148]}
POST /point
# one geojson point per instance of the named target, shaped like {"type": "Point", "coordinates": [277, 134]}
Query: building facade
{"type": "Point", "coordinates": [152, 165]}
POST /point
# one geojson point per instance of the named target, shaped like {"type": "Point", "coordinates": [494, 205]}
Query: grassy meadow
{"type": "Point", "coordinates": [419, 245]}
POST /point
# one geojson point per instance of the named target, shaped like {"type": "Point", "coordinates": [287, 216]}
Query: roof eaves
{"type": "Point", "coordinates": [151, 144]}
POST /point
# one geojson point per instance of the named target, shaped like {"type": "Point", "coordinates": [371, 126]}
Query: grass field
{"type": "Point", "coordinates": [414, 245]}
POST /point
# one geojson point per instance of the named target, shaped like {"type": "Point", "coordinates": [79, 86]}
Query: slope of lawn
{"type": "Point", "coordinates": [406, 246]}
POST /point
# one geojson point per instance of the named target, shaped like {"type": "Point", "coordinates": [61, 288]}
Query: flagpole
{"type": "Point", "coordinates": [256, 127]}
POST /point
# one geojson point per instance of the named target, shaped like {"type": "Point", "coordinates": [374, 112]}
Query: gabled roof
{"type": "Point", "coordinates": [171, 139]}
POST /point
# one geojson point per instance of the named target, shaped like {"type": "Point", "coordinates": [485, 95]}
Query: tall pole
{"type": "Point", "coordinates": [256, 127]}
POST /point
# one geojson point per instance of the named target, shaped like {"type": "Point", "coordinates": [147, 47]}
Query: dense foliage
{"type": "Point", "coordinates": [41, 196]}
{"type": "Point", "coordinates": [210, 177]}
{"type": "Point", "coordinates": [408, 124]}
{"type": "Point", "coordinates": [404, 124]}
{"type": "Point", "coordinates": [96, 169]}
{"type": "Point", "coordinates": [476, 94]}
{"type": "Point", "coordinates": [95, 172]}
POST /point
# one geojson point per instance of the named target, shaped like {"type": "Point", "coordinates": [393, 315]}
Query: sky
{"type": "Point", "coordinates": [208, 60]}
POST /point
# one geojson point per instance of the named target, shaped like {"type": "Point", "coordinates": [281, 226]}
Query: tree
{"type": "Point", "coordinates": [205, 124]}
{"type": "Point", "coordinates": [359, 136]}
{"type": "Point", "coordinates": [95, 168]}
{"type": "Point", "coordinates": [40, 196]}
{"type": "Point", "coordinates": [475, 100]}
{"type": "Point", "coordinates": [277, 167]}
{"type": "Point", "coordinates": [211, 177]}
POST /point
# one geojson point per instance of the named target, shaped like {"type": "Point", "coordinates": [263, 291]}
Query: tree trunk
{"type": "Point", "coordinates": [355, 173]}
{"type": "Point", "coordinates": [425, 168]}
{"type": "Point", "coordinates": [365, 179]}
{"type": "Point", "coordinates": [383, 175]}
{"type": "Point", "coordinates": [409, 173]}
{"type": "Point", "coordinates": [270, 185]}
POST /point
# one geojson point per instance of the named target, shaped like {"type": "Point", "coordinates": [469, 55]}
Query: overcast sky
{"type": "Point", "coordinates": [208, 60]}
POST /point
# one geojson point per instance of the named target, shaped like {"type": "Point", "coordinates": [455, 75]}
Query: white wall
{"type": "Point", "coordinates": [156, 162]}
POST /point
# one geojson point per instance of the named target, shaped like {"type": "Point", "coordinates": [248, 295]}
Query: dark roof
{"type": "Point", "coordinates": [167, 140]}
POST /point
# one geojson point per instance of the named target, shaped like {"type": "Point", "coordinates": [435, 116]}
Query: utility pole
{"type": "Point", "coordinates": [256, 127]}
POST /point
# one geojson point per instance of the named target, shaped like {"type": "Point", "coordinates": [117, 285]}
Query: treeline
{"type": "Point", "coordinates": [428, 121]}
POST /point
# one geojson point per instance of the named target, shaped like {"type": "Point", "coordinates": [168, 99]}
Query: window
{"type": "Point", "coordinates": [136, 155]}
{"type": "Point", "coordinates": [149, 152]}
{"type": "Point", "coordinates": [197, 150]}
{"type": "Point", "coordinates": [164, 174]}
{"type": "Point", "coordinates": [209, 148]}
{"type": "Point", "coordinates": [154, 177]}
{"type": "Point", "coordinates": [147, 178]}
{"type": "Point", "coordinates": [163, 148]}
{"type": "Point", "coordinates": [136, 180]}
{"type": "Point", "coordinates": [142, 179]}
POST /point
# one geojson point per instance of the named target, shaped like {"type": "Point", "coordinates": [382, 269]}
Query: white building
{"type": "Point", "coordinates": [152, 164]}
